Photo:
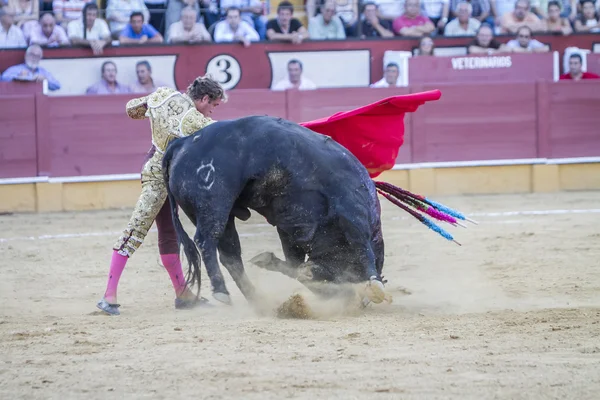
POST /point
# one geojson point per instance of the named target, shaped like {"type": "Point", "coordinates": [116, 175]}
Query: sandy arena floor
{"type": "Point", "coordinates": [512, 314]}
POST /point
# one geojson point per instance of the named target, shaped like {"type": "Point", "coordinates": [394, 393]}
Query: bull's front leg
{"type": "Point", "coordinates": [208, 248]}
{"type": "Point", "coordinates": [230, 251]}
{"type": "Point", "coordinates": [374, 290]}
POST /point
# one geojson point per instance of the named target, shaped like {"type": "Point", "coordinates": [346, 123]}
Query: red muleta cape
{"type": "Point", "coordinates": [375, 132]}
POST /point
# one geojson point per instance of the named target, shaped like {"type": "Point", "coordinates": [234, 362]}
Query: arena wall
{"type": "Point", "coordinates": [257, 66]}
{"type": "Point", "coordinates": [83, 153]}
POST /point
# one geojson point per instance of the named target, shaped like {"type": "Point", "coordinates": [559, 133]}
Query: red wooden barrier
{"type": "Point", "coordinates": [481, 69]}
{"type": "Point", "coordinates": [69, 136]}
{"type": "Point", "coordinates": [593, 63]}
{"type": "Point", "coordinates": [17, 136]}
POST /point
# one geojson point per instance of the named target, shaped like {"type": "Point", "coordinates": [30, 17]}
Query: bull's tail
{"type": "Point", "coordinates": [413, 204]}
{"type": "Point", "coordinates": [189, 247]}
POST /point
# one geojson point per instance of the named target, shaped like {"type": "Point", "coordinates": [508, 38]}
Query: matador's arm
{"type": "Point", "coordinates": [136, 108]}
{"type": "Point", "coordinates": [193, 121]}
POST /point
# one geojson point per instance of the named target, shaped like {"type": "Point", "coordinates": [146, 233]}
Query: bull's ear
{"type": "Point", "coordinates": [136, 108]}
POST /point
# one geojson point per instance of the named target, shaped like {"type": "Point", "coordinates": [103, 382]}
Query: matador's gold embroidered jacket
{"type": "Point", "coordinates": [171, 113]}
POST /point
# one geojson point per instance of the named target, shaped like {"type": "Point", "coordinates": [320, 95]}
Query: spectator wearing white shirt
{"type": "Point", "coordinates": [326, 25]}
{"type": "Point", "coordinates": [463, 24]}
{"type": "Point", "coordinates": [66, 11]}
{"type": "Point", "coordinates": [89, 30]}
{"type": "Point", "coordinates": [437, 11]}
{"type": "Point", "coordinates": [234, 29]}
{"type": "Point", "coordinates": [294, 80]}
{"type": "Point", "coordinates": [390, 77]}
{"type": "Point", "coordinates": [10, 35]}
{"type": "Point", "coordinates": [187, 30]}
{"type": "Point", "coordinates": [251, 12]}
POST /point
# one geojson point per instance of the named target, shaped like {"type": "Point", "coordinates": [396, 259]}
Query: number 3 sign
{"type": "Point", "coordinates": [225, 69]}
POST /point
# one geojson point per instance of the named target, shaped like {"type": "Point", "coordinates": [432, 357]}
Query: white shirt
{"type": "Point", "coordinates": [12, 39]}
{"type": "Point", "coordinates": [224, 33]}
{"type": "Point", "coordinates": [382, 83]}
{"type": "Point", "coordinates": [390, 9]}
{"type": "Point", "coordinates": [246, 16]}
{"type": "Point", "coordinates": [305, 84]}
{"type": "Point", "coordinates": [177, 31]}
{"type": "Point", "coordinates": [99, 30]}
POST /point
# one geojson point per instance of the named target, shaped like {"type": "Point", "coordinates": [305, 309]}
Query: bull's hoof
{"type": "Point", "coordinates": [222, 297]}
{"type": "Point", "coordinates": [265, 260]}
{"type": "Point", "coordinates": [375, 291]}
{"type": "Point", "coordinates": [185, 304]}
{"type": "Point", "coordinates": [111, 309]}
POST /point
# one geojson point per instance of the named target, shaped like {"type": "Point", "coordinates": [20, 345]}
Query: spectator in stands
{"type": "Point", "coordinates": [575, 70]}
{"type": "Point", "coordinates": [175, 8]}
{"type": "Point", "coordinates": [345, 10]}
{"type": "Point", "coordinates": [145, 82]}
{"type": "Point", "coordinates": [372, 25]}
{"type": "Point", "coordinates": [210, 12]}
{"type": "Point", "coordinates": [426, 47]}
{"type": "Point", "coordinates": [108, 84]}
{"type": "Point", "coordinates": [25, 11]}
{"type": "Point", "coordinates": [285, 27]}
{"type": "Point", "coordinates": [89, 30]}
{"type": "Point", "coordinates": [390, 77]}
{"type": "Point", "coordinates": [521, 16]}
{"type": "Point", "coordinates": [412, 23]}
{"type": "Point", "coordinates": [30, 71]}
{"type": "Point", "coordinates": [234, 29]}
{"type": "Point", "coordinates": [463, 25]}
{"type": "Point", "coordinates": [10, 35]}
{"type": "Point", "coordinates": [66, 11]}
{"type": "Point", "coordinates": [137, 32]}
{"type": "Point", "coordinates": [389, 10]}
{"type": "Point", "coordinates": [499, 9]}
{"type": "Point", "coordinates": [118, 13]}
{"type": "Point", "coordinates": [481, 10]}
{"type": "Point", "coordinates": [157, 10]}
{"type": "Point", "coordinates": [525, 43]}
{"type": "Point", "coordinates": [437, 11]}
{"type": "Point", "coordinates": [251, 11]}
{"type": "Point", "coordinates": [588, 21]}
{"type": "Point", "coordinates": [484, 42]}
{"type": "Point", "coordinates": [47, 33]}
{"type": "Point", "coordinates": [188, 30]}
{"type": "Point", "coordinates": [555, 23]}
{"type": "Point", "coordinates": [326, 25]}
{"type": "Point", "coordinates": [295, 80]}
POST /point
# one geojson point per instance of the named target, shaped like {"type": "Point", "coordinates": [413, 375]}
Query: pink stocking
{"type": "Point", "coordinates": [117, 265]}
{"type": "Point", "coordinates": [172, 264]}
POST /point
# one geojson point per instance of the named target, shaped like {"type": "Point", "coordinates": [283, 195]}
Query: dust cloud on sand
{"type": "Point", "coordinates": [512, 314]}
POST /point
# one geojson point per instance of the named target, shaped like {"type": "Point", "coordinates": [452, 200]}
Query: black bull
{"type": "Point", "coordinates": [314, 191]}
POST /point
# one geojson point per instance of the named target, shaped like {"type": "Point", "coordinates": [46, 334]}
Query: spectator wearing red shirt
{"type": "Point", "coordinates": [575, 73]}
{"type": "Point", "coordinates": [412, 22]}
